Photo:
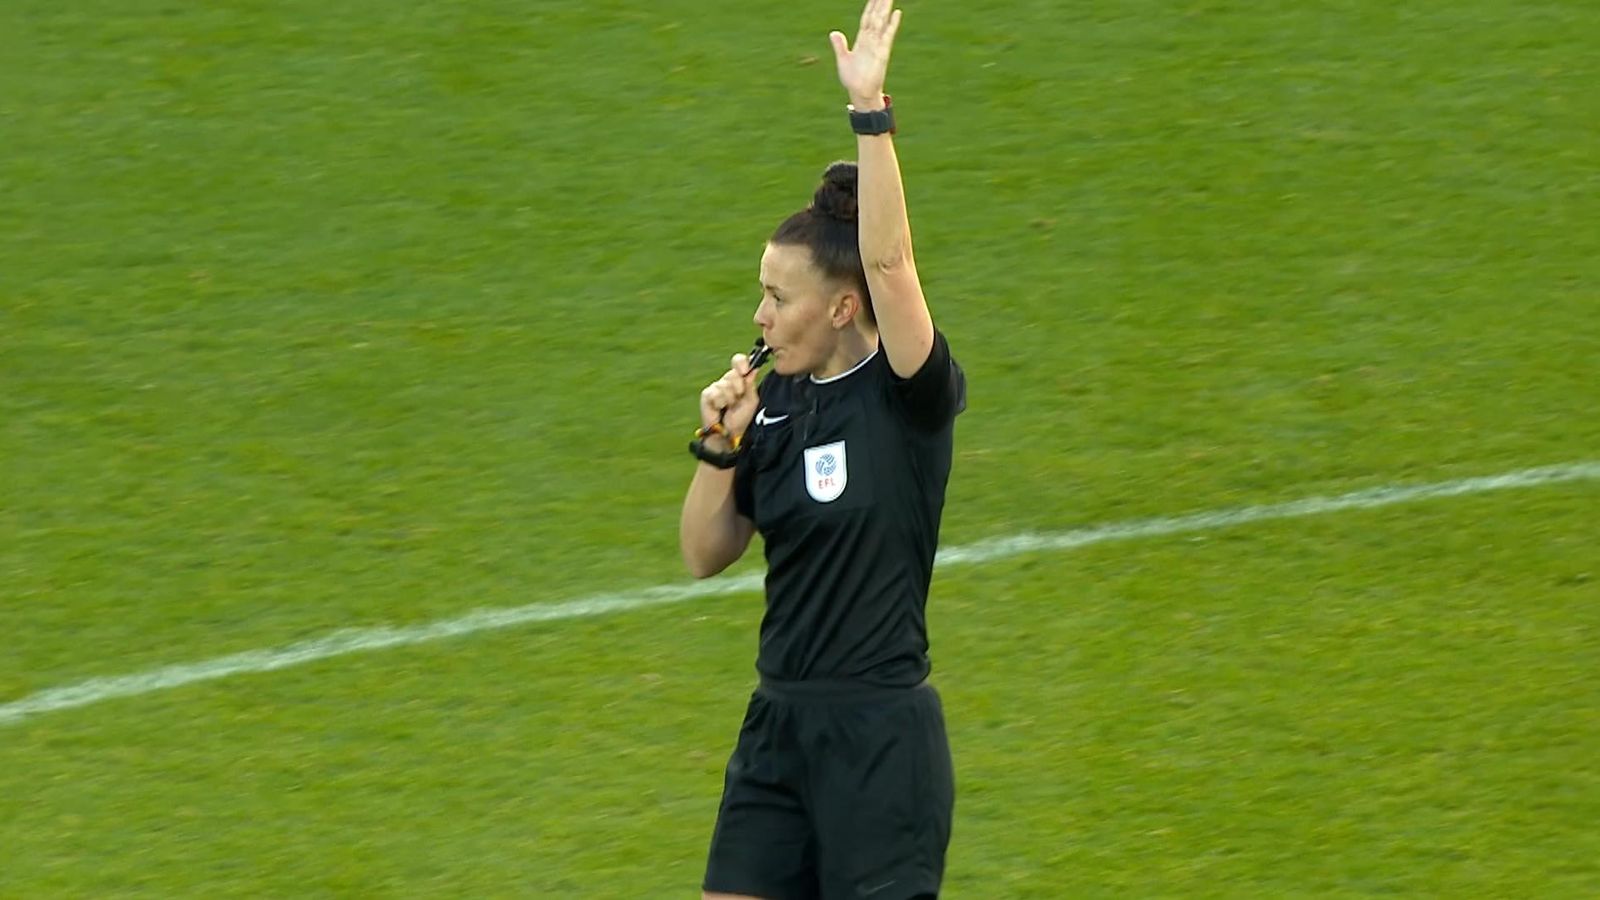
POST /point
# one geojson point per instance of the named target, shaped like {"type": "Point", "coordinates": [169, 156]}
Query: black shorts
{"type": "Point", "coordinates": [835, 791]}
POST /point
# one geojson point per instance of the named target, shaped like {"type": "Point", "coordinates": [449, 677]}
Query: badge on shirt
{"type": "Point", "coordinates": [826, 473]}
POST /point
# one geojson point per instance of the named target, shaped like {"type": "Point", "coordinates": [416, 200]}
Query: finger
{"type": "Point", "coordinates": [740, 364]}
{"type": "Point", "coordinates": [894, 26]}
{"type": "Point", "coordinates": [880, 11]}
{"type": "Point", "coordinates": [841, 45]}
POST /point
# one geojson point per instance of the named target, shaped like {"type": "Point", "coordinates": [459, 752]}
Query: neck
{"type": "Point", "coordinates": [854, 346]}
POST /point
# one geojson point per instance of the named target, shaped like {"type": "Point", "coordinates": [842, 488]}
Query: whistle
{"type": "Point", "coordinates": [759, 354]}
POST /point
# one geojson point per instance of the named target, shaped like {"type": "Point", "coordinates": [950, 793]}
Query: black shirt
{"type": "Point", "coordinates": [845, 479]}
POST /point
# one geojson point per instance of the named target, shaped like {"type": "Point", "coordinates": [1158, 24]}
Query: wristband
{"type": "Point", "coordinates": [722, 459]}
{"type": "Point", "coordinates": [877, 121]}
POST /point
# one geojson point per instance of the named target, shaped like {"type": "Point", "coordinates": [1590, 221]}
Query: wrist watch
{"type": "Point", "coordinates": [725, 459]}
{"type": "Point", "coordinates": [877, 121]}
{"type": "Point", "coordinates": [722, 459]}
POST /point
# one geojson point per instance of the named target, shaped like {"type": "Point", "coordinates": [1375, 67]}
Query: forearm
{"type": "Point", "coordinates": [711, 533]}
{"type": "Point", "coordinates": [884, 225]}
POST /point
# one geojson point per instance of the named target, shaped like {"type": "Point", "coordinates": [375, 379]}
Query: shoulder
{"type": "Point", "coordinates": [939, 363]}
{"type": "Point", "coordinates": [936, 393]}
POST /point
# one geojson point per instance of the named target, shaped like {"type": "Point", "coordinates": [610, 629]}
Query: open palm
{"type": "Point", "coordinates": [862, 69]}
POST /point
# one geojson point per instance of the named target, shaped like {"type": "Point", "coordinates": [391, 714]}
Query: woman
{"type": "Point", "coordinates": [840, 784]}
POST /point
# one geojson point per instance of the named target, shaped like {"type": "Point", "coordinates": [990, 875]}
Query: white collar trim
{"type": "Point", "coordinates": [848, 372]}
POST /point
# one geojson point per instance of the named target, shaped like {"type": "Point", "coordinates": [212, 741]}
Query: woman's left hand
{"type": "Point", "coordinates": [863, 69]}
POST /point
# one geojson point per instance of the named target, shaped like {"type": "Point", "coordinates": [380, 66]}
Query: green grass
{"type": "Point", "coordinates": [328, 315]}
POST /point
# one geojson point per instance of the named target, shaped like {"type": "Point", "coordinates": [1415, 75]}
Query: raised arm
{"type": "Point", "coordinates": [905, 326]}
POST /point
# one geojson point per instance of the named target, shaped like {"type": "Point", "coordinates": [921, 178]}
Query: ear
{"type": "Point", "coordinates": [845, 307]}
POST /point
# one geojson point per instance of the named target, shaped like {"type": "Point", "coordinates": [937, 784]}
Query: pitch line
{"type": "Point", "coordinates": [357, 640]}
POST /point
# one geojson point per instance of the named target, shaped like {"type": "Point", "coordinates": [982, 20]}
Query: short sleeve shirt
{"type": "Point", "coordinates": [845, 479]}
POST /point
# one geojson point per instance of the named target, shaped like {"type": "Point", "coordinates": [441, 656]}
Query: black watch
{"type": "Point", "coordinates": [877, 121]}
{"type": "Point", "coordinates": [722, 459]}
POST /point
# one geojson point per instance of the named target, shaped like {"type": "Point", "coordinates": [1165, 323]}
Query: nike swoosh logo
{"type": "Point", "coordinates": [763, 419]}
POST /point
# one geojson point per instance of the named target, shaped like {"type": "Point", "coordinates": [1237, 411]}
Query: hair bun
{"type": "Point", "coordinates": [836, 197]}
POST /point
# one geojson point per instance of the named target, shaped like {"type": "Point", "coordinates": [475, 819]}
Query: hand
{"type": "Point", "coordinates": [862, 70]}
{"type": "Point", "coordinates": [731, 398]}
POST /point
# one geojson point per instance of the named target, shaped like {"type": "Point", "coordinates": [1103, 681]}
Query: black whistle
{"type": "Point", "coordinates": [759, 354]}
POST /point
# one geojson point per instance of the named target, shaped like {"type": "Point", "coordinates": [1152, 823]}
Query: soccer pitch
{"type": "Point", "coordinates": [1273, 524]}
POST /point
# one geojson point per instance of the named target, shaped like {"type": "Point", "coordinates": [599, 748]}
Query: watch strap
{"type": "Point", "coordinates": [876, 121]}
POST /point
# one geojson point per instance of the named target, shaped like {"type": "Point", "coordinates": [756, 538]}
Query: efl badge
{"type": "Point", "coordinates": [826, 474]}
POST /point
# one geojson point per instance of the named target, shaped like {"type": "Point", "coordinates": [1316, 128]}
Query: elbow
{"type": "Point", "coordinates": [886, 256]}
{"type": "Point", "coordinates": [708, 551]}
{"type": "Point", "coordinates": [696, 566]}
{"type": "Point", "coordinates": [699, 565]}
{"type": "Point", "coordinates": [887, 262]}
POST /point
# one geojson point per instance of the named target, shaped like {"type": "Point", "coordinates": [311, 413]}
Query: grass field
{"type": "Point", "coordinates": [317, 316]}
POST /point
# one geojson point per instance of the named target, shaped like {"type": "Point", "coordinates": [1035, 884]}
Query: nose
{"type": "Point", "coordinates": [761, 318]}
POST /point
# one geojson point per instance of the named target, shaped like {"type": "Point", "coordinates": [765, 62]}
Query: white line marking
{"type": "Point", "coordinates": [357, 640]}
{"type": "Point", "coordinates": [1000, 548]}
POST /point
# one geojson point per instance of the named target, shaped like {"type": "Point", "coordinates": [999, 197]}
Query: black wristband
{"type": "Point", "coordinates": [722, 459]}
{"type": "Point", "coordinates": [877, 121]}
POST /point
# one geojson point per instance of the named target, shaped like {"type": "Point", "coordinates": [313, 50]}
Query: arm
{"type": "Point", "coordinates": [905, 326]}
{"type": "Point", "coordinates": [712, 534]}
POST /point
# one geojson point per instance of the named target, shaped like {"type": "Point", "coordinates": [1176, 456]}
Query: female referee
{"type": "Point", "coordinates": [840, 783]}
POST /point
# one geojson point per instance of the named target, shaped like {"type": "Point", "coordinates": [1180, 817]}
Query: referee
{"type": "Point", "coordinates": [840, 784]}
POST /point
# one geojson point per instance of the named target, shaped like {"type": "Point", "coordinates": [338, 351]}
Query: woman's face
{"type": "Point", "coordinates": [798, 309]}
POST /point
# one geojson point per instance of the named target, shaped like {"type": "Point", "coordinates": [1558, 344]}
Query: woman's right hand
{"type": "Point", "coordinates": [732, 398]}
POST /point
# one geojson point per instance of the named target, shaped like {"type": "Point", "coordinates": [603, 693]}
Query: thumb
{"type": "Point", "coordinates": [841, 45]}
{"type": "Point", "coordinates": [740, 364]}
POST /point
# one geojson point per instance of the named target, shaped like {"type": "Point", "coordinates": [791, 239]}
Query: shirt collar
{"type": "Point", "coordinates": [850, 371]}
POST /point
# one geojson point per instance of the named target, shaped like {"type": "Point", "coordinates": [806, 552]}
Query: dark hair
{"type": "Point", "coordinates": [828, 227]}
